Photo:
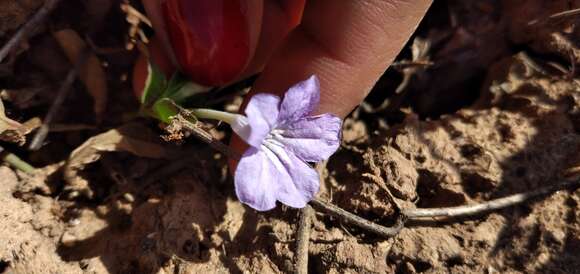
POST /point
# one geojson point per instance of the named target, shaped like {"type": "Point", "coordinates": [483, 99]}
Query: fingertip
{"type": "Point", "coordinates": [348, 55]}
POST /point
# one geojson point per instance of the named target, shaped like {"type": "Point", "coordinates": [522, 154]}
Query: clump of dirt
{"type": "Point", "coordinates": [506, 121]}
{"type": "Point", "coordinates": [28, 231]}
{"type": "Point", "coordinates": [519, 136]}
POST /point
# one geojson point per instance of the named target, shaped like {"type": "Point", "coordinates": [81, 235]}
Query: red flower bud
{"type": "Point", "coordinates": [210, 38]}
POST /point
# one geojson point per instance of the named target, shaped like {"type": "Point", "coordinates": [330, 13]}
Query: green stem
{"type": "Point", "coordinates": [16, 162]}
{"type": "Point", "coordinates": [204, 113]}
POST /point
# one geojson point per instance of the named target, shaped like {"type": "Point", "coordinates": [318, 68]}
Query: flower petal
{"type": "Point", "coordinates": [312, 139]}
{"type": "Point", "coordinates": [300, 100]}
{"type": "Point", "coordinates": [262, 112]}
{"type": "Point", "coordinates": [303, 183]}
{"type": "Point", "coordinates": [255, 180]}
{"type": "Point", "coordinates": [269, 174]}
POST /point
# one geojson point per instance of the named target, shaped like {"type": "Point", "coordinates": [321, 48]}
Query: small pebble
{"type": "Point", "coordinates": [129, 197]}
{"type": "Point", "coordinates": [74, 222]}
{"type": "Point", "coordinates": [67, 239]}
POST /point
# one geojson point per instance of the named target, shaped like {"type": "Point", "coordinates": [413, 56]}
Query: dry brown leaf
{"type": "Point", "coordinates": [133, 138]}
{"type": "Point", "coordinates": [5, 122]}
{"type": "Point", "coordinates": [10, 130]}
{"type": "Point", "coordinates": [90, 72]}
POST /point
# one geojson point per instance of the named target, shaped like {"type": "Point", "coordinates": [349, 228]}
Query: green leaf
{"type": "Point", "coordinates": [155, 85]}
{"type": "Point", "coordinates": [180, 88]}
{"type": "Point", "coordinates": [177, 81]}
{"type": "Point", "coordinates": [161, 98]}
{"type": "Point", "coordinates": [188, 90]}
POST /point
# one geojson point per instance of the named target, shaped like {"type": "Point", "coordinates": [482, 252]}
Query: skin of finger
{"type": "Point", "coordinates": [280, 17]}
{"type": "Point", "coordinates": [347, 44]}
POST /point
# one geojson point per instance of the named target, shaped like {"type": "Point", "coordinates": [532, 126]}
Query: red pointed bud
{"type": "Point", "coordinates": [210, 38]}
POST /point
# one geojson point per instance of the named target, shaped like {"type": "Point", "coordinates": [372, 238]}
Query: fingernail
{"type": "Point", "coordinates": [210, 38]}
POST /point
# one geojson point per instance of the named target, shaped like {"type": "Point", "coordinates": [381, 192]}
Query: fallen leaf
{"type": "Point", "coordinates": [132, 138]}
{"type": "Point", "coordinates": [90, 72]}
{"type": "Point", "coordinates": [13, 131]}
{"type": "Point", "coordinates": [5, 122]}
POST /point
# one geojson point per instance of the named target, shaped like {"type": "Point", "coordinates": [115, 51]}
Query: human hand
{"type": "Point", "coordinates": [347, 44]}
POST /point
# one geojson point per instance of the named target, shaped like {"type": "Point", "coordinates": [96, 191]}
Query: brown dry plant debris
{"type": "Point", "coordinates": [9, 129]}
{"type": "Point", "coordinates": [303, 239]}
{"type": "Point", "coordinates": [485, 207]}
{"type": "Point", "coordinates": [25, 30]}
{"type": "Point", "coordinates": [90, 70]}
{"type": "Point", "coordinates": [40, 135]}
{"type": "Point", "coordinates": [133, 138]}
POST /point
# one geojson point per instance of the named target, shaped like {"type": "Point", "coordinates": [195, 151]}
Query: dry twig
{"type": "Point", "coordinates": [303, 240]}
{"type": "Point", "coordinates": [65, 87]}
{"type": "Point", "coordinates": [42, 132]}
{"type": "Point", "coordinates": [135, 18]}
{"type": "Point", "coordinates": [409, 68]}
{"type": "Point", "coordinates": [566, 13]}
{"type": "Point", "coordinates": [25, 30]}
{"type": "Point", "coordinates": [469, 210]}
{"type": "Point", "coordinates": [348, 217]}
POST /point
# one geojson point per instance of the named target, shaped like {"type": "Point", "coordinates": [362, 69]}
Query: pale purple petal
{"type": "Point", "coordinates": [312, 139]}
{"type": "Point", "coordinates": [269, 174]}
{"type": "Point", "coordinates": [262, 112]}
{"type": "Point", "coordinates": [300, 100]}
{"type": "Point", "coordinates": [303, 183]}
{"type": "Point", "coordinates": [256, 180]}
{"type": "Point", "coordinates": [241, 126]}
{"type": "Point", "coordinates": [283, 139]}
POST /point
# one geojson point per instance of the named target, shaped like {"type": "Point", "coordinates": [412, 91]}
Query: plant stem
{"type": "Point", "coordinates": [303, 239]}
{"type": "Point", "coordinates": [348, 217]}
{"type": "Point", "coordinates": [16, 162]}
{"type": "Point", "coordinates": [204, 113]}
{"type": "Point", "coordinates": [500, 203]}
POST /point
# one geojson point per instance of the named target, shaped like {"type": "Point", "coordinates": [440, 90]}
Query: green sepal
{"type": "Point", "coordinates": [176, 82]}
{"type": "Point", "coordinates": [181, 88]}
{"type": "Point", "coordinates": [161, 99]}
{"type": "Point", "coordinates": [155, 85]}
{"type": "Point", "coordinates": [164, 109]}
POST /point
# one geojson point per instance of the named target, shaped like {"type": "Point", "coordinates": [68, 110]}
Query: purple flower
{"type": "Point", "coordinates": [283, 138]}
